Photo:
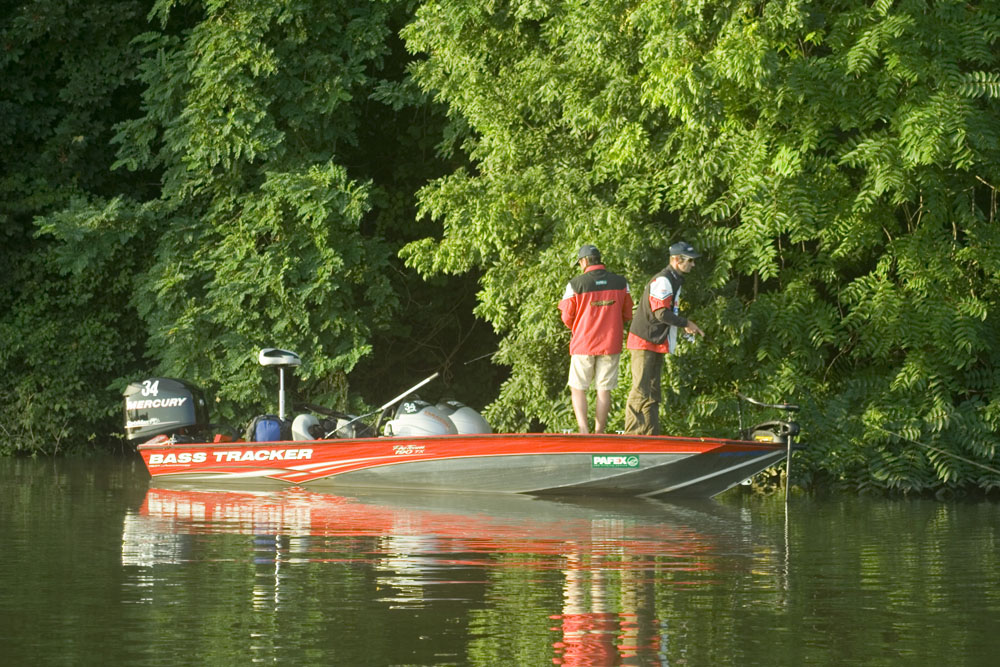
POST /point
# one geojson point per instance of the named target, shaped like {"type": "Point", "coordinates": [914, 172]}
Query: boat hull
{"type": "Point", "coordinates": [534, 463]}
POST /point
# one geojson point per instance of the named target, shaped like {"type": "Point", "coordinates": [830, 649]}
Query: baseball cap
{"type": "Point", "coordinates": [587, 251]}
{"type": "Point", "coordinates": [684, 248]}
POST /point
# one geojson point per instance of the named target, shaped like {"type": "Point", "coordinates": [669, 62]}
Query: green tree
{"type": "Point", "coordinates": [255, 180]}
{"type": "Point", "coordinates": [68, 73]}
{"type": "Point", "coordinates": [837, 160]}
{"type": "Point", "coordinates": [290, 141]}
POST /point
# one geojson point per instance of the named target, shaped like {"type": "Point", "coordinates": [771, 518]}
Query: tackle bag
{"type": "Point", "coordinates": [268, 428]}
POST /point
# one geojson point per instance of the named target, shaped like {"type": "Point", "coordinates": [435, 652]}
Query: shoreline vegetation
{"type": "Point", "coordinates": [396, 188]}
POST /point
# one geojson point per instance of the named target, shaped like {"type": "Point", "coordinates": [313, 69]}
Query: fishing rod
{"type": "Point", "coordinates": [481, 356]}
{"type": "Point", "coordinates": [941, 451]}
{"type": "Point", "coordinates": [406, 393]}
{"type": "Point", "coordinates": [388, 404]}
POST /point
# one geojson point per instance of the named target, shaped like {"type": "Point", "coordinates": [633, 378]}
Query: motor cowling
{"type": "Point", "coordinates": [417, 418]}
{"type": "Point", "coordinates": [163, 406]}
{"type": "Point", "coordinates": [465, 419]}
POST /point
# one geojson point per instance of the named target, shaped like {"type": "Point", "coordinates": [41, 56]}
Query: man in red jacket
{"type": "Point", "coordinates": [595, 306]}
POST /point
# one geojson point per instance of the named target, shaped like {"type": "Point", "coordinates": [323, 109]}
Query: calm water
{"type": "Point", "coordinates": [98, 568]}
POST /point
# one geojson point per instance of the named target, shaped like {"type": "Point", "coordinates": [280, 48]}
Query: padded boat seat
{"type": "Point", "coordinates": [272, 356]}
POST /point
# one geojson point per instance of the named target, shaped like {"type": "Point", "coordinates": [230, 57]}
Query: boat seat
{"type": "Point", "coordinates": [272, 356]}
{"type": "Point", "coordinates": [306, 427]}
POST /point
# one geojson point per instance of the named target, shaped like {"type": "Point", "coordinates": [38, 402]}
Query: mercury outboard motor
{"type": "Point", "coordinates": [465, 419]}
{"type": "Point", "coordinates": [415, 418]}
{"type": "Point", "coordinates": [164, 406]}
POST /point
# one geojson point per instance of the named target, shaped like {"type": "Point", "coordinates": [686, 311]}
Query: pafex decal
{"type": "Point", "coordinates": [614, 461]}
{"type": "Point", "coordinates": [231, 456]}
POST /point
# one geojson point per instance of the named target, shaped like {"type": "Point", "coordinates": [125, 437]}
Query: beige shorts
{"type": "Point", "coordinates": [601, 369]}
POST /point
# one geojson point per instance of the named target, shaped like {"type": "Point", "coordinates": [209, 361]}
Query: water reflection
{"type": "Point", "coordinates": [98, 564]}
{"type": "Point", "coordinates": [597, 631]}
{"type": "Point", "coordinates": [419, 526]}
{"type": "Point", "coordinates": [582, 573]}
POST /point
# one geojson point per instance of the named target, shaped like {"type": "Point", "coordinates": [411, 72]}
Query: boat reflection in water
{"type": "Point", "coordinates": [592, 569]}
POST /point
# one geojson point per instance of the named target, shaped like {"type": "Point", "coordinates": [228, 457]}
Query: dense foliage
{"type": "Point", "coordinates": [251, 191]}
{"type": "Point", "coordinates": [192, 181]}
{"type": "Point", "coordinates": [69, 74]}
{"type": "Point", "coordinates": [838, 161]}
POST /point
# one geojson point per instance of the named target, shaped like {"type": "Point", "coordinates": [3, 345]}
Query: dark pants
{"type": "Point", "coordinates": [642, 412]}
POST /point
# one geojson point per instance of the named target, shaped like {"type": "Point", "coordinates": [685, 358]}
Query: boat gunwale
{"type": "Point", "coordinates": [612, 438]}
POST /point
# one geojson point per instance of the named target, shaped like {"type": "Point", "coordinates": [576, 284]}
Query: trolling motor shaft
{"type": "Point", "coordinates": [773, 431]}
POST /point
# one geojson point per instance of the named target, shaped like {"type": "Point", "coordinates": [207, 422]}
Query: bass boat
{"type": "Point", "coordinates": [444, 447]}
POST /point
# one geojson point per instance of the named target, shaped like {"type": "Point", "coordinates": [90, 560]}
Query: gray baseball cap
{"type": "Point", "coordinates": [587, 251]}
{"type": "Point", "coordinates": [684, 248]}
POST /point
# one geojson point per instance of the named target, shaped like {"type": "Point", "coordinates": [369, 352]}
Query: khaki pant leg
{"type": "Point", "coordinates": [642, 411]}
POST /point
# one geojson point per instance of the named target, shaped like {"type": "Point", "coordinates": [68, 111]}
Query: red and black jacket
{"type": "Point", "coordinates": [595, 306]}
{"type": "Point", "coordinates": [658, 317]}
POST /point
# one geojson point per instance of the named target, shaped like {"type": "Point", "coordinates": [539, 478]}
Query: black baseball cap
{"type": "Point", "coordinates": [684, 248]}
{"type": "Point", "coordinates": [587, 251]}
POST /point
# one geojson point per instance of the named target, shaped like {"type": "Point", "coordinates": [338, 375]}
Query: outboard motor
{"type": "Point", "coordinates": [416, 418]}
{"type": "Point", "coordinates": [164, 406]}
{"type": "Point", "coordinates": [465, 419]}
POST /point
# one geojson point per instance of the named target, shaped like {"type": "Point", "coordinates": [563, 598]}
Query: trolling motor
{"type": "Point", "coordinates": [777, 431]}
